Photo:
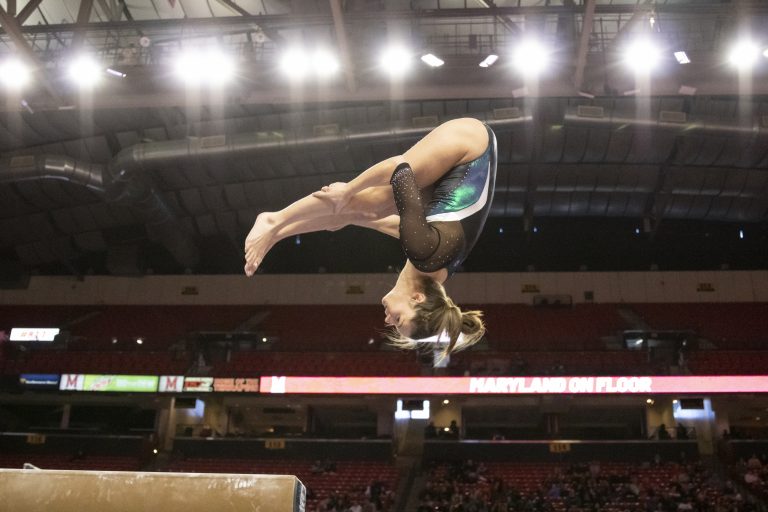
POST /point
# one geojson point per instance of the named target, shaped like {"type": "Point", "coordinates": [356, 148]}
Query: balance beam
{"type": "Point", "coordinates": [35, 490]}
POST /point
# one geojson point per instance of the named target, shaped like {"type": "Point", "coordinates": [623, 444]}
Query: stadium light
{"type": "Point", "coordinates": [743, 55]}
{"type": "Point", "coordinates": [211, 67]}
{"type": "Point", "coordinates": [395, 60]}
{"type": "Point", "coordinates": [682, 57]}
{"type": "Point", "coordinates": [325, 63]}
{"type": "Point", "coordinates": [14, 74]}
{"type": "Point", "coordinates": [530, 57]}
{"type": "Point", "coordinates": [294, 63]}
{"type": "Point", "coordinates": [765, 53]}
{"type": "Point", "coordinates": [489, 61]}
{"type": "Point", "coordinates": [432, 60]}
{"type": "Point", "coordinates": [85, 71]}
{"type": "Point", "coordinates": [642, 56]}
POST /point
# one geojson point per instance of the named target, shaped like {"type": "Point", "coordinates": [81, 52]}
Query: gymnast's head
{"type": "Point", "coordinates": [423, 310]}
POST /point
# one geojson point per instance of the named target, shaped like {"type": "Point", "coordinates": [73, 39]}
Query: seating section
{"type": "Point", "coordinates": [552, 363]}
{"type": "Point", "coordinates": [69, 461]}
{"type": "Point", "coordinates": [605, 486]}
{"type": "Point", "coordinates": [350, 478]}
{"type": "Point", "coordinates": [346, 340]}
{"type": "Point", "coordinates": [246, 364]}
{"type": "Point", "coordinates": [527, 328]}
{"type": "Point", "coordinates": [64, 361]}
{"type": "Point", "coordinates": [728, 362]}
{"type": "Point", "coordinates": [741, 326]}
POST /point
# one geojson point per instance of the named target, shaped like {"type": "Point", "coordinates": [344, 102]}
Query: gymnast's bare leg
{"type": "Point", "coordinates": [372, 208]}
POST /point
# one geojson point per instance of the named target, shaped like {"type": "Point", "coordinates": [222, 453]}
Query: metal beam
{"type": "Point", "coordinates": [11, 7]}
{"type": "Point", "coordinates": [83, 17]}
{"type": "Point", "coordinates": [586, 32]}
{"type": "Point", "coordinates": [446, 89]}
{"type": "Point", "coordinates": [297, 20]}
{"type": "Point", "coordinates": [341, 39]}
{"type": "Point", "coordinates": [112, 11]}
{"type": "Point", "coordinates": [271, 33]}
{"type": "Point", "coordinates": [510, 25]}
{"type": "Point", "coordinates": [637, 16]}
{"type": "Point", "coordinates": [13, 30]}
{"type": "Point", "coordinates": [27, 11]}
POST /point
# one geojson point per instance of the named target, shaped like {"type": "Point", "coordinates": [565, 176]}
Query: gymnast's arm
{"type": "Point", "coordinates": [441, 149]}
{"type": "Point", "coordinates": [429, 246]}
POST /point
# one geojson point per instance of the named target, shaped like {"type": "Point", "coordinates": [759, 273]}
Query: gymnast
{"type": "Point", "coordinates": [435, 198]}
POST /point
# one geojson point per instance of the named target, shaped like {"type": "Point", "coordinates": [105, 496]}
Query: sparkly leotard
{"type": "Point", "coordinates": [442, 234]}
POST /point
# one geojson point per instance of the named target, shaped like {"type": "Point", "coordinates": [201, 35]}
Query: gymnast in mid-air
{"type": "Point", "coordinates": [435, 198]}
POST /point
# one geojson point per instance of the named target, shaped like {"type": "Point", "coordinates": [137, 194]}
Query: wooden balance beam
{"type": "Point", "coordinates": [35, 490]}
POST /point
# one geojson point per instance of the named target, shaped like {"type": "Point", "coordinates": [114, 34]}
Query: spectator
{"type": "Point", "coordinates": [661, 432]}
{"type": "Point", "coordinates": [453, 430]}
{"type": "Point", "coordinates": [681, 432]}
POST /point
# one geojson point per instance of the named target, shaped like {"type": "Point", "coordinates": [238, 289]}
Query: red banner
{"type": "Point", "coordinates": [514, 385]}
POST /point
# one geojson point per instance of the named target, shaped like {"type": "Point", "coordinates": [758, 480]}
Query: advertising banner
{"type": "Point", "coordinates": [226, 385]}
{"type": "Point", "coordinates": [33, 334]}
{"type": "Point", "coordinates": [71, 382]}
{"type": "Point", "coordinates": [515, 385]}
{"type": "Point", "coordinates": [171, 384]}
{"type": "Point", "coordinates": [198, 384]}
{"type": "Point", "coordinates": [120, 383]}
{"type": "Point", "coordinates": [39, 380]}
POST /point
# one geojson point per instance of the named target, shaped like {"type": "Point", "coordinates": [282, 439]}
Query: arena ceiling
{"type": "Point", "coordinates": [144, 173]}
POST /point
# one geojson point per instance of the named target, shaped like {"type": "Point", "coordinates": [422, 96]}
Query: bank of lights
{"type": "Point", "coordinates": [643, 56]}
{"type": "Point", "coordinates": [198, 68]}
{"type": "Point", "coordinates": [296, 63]}
{"type": "Point", "coordinates": [395, 61]}
{"type": "Point", "coordinates": [743, 55]}
{"type": "Point", "coordinates": [530, 58]}
{"type": "Point", "coordinates": [85, 71]}
{"type": "Point", "coordinates": [14, 74]}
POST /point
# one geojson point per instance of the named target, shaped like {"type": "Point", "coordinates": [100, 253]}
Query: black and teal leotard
{"type": "Point", "coordinates": [442, 234]}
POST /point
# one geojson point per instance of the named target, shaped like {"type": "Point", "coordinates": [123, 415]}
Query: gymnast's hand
{"type": "Point", "coordinates": [336, 193]}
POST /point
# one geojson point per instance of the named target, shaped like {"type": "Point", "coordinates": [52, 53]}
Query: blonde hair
{"type": "Point", "coordinates": [437, 315]}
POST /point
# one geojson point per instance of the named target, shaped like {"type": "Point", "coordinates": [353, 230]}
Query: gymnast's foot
{"type": "Point", "coordinates": [259, 241]}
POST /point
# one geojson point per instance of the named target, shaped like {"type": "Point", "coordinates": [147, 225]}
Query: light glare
{"type": "Point", "coordinates": [395, 61]}
{"type": "Point", "coordinates": [85, 72]}
{"type": "Point", "coordinates": [744, 55]}
{"type": "Point", "coordinates": [642, 56]}
{"type": "Point", "coordinates": [325, 63]}
{"type": "Point", "coordinates": [204, 68]}
{"type": "Point", "coordinates": [432, 60]}
{"type": "Point", "coordinates": [14, 74]}
{"type": "Point", "coordinates": [531, 58]}
{"type": "Point", "coordinates": [294, 63]}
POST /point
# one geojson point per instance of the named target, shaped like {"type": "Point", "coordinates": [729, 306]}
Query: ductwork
{"type": "Point", "coordinates": [134, 191]}
{"type": "Point", "coordinates": [146, 156]}
{"type": "Point", "coordinates": [31, 167]}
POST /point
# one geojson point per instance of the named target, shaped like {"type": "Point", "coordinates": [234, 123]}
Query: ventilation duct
{"type": "Point", "coordinates": [146, 156]}
{"type": "Point", "coordinates": [37, 167]}
{"type": "Point", "coordinates": [676, 121]}
{"type": "Point", "coordinates": [133, 191]}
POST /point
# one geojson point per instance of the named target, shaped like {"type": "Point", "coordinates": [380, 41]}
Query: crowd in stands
{"type": "Point", "coordinates": [594, 487]}
{"type": "Point", "coordinates": [754, 472]}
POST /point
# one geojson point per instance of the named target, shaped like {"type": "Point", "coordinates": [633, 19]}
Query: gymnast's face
{"type": "Point", "coordinates": [399, 309]}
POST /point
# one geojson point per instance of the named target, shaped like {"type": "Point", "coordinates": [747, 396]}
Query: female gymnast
{"type": "Point", "coordinates": [454, 169]}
